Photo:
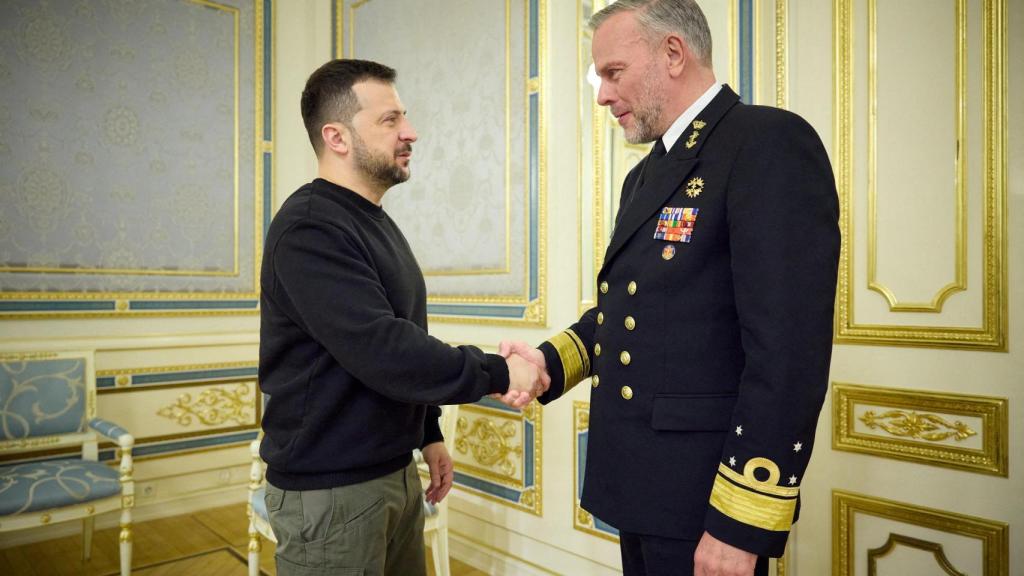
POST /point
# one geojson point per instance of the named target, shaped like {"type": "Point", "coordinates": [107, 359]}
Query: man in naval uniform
{"type": "Point", "coordinates": [709, 347]}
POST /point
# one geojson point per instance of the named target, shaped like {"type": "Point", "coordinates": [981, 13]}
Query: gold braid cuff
{"type": "Point", "coordinates": [748, 500]}
{"type": "Point", "coordinates": [574, 357]}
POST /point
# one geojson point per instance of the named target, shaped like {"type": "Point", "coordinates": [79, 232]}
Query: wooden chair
{"type": "Point", "coordinates": [48, 400]}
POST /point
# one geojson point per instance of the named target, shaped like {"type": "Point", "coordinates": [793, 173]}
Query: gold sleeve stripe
{"type": "Point", "coordinates": [758, 510]}
{"type": "Point", "coordinates": [574, 357]}
{"type": "Point", "coordinates": [750, 482]}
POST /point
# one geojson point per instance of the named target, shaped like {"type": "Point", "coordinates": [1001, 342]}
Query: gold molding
{"type": "Point", "coordinates": [781, 61]}
{"type": "Point", "coordinates": [991, 335]}
{"type": "Point", "coordinates": [894, 540]}
{"type": "Point", "coordinates": [121, 298]}
{"type": "Point", "coordinates": [234, 12]}
{"type": "Point", "coordinates": [992, 458]}
{"type": "Point", "coordinates": [959, 283]}
{"type": "Point", "coordinates": [581, 519]}
{"type": "Point", "coordinates": [994, 536]}
{"type": "Point", "coordinates": [176, 368]}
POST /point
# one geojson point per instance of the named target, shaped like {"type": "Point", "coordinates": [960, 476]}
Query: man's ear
{"type": "Point", "coordinates": [336, 137]}
{"type": "Point", "coordinates": [677, 53]}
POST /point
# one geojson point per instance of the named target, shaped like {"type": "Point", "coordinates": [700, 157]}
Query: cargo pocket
{"type": "Point", "coordinates": [317, 513]}
{"type": "Point", "coordinates": [693, 412]}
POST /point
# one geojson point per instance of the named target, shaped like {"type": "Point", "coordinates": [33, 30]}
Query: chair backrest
{"type": "Point", "coordinates": [447, 422]}
{"type": "Point", "coordinates": [46, 400]}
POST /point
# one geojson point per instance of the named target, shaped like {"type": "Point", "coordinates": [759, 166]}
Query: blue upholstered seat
{"type": "Point", "coordinates": [259, 504]}
{"type": "Point", "coordinates": [53, 484]}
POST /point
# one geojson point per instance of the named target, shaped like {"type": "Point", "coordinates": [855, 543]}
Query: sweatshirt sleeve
{"type": "Point", "coordinates": [336, 296]}
{"type": "Point", "coordinates": [431, 427]}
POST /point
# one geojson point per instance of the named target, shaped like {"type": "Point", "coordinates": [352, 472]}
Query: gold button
{"type": "Point", "coordinates": [600, 317]}
{"type": "Point", "coordinates": [627, 392]}
{"type": "Point", "coordinates": [631, 288]}
{"type": "Point", "coordinates": [597, 349]}
{"type": "Point", "coordinates": [630, 323]}
{"type": "Point", "coordinates": [604, 287]}
{"type": "Point", "coordinates": [595, 381]}
{"type": "Point", "coordinates": [624, 358]}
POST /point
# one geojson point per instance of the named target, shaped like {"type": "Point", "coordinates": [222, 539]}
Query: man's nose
{"type": "Point", "coordinates": [408, 133]}
{"type": "Point", "coordinates": [605, 94]}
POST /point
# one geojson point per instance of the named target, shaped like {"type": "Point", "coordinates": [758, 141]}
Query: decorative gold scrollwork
{"type": "Point", "coordinates": [913, 425]}
{"type": "Point", "coordinates": [213, 407]}
{"type": "Point", "coordinates": [488, 443]}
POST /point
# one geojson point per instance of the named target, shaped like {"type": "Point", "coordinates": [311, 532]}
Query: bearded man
{"type": "Point", "coordinates": [352, 376]}
{"type": "Point", "coordinates": [708, 350]}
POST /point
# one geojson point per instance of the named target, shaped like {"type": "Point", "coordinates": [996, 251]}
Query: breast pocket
{"type": "Point", "coordinates": [693, 413]}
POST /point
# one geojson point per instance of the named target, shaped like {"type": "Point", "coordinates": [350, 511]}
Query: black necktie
{"type": "Point", "coordinates": [657, 153]}
{"type": "Point", "coordinates": [659, 149]}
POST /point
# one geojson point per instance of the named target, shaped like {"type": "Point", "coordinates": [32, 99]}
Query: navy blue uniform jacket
{"type": "Point", "coordinates": [710, 342]}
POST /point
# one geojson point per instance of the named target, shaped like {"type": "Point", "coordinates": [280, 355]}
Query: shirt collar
{"type": "Point", "coordinates": [679, 126]}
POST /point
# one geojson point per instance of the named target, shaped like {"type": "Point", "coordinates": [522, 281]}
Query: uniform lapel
{"type": "Point", "coordinates": [662, 178]}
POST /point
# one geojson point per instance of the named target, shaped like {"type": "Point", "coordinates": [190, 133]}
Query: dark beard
{"type": "Point", "coordinates": [377, 166]}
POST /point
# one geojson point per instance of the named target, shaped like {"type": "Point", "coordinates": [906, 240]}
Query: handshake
{"type": "Point", "coordinates": [527, 373]}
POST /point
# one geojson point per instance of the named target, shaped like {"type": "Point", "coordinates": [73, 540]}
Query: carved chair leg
{"type": "Point", "coordinates": [87, 526]}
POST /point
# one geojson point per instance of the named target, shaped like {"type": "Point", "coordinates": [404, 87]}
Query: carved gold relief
{"type": "Point", "coordinates": [916, 431]}
{"type": "Point", "coordinates": [212, 407]}
{"type": "Point", "coordinates": [913, 425]}
{"type": "Point", "coordinates": [501, 450]}
{"type": "Point", "coordinates": [489, 443]}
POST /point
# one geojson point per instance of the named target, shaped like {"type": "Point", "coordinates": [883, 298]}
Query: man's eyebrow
{"type": "Point", "coordinates": [387, 113]}
{"type": "Point", "coordinates": [612, 64]}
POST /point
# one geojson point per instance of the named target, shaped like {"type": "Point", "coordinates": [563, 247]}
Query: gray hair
{"type": "Point", "coordinates": [661, 17]}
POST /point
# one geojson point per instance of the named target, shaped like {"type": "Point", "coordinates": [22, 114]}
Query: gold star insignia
{"type": "Point", "coordinates": [694, 187]}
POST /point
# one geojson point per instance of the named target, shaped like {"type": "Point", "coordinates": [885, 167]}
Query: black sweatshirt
{"type": "Point", "coordinates": [345, 358]}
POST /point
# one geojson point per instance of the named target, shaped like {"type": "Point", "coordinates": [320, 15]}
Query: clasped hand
{"type": "Point", "coordinates": [527, 374]}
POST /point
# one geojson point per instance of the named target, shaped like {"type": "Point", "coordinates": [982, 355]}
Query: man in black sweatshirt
{"type": "Point", "coordinates": [352, 376]}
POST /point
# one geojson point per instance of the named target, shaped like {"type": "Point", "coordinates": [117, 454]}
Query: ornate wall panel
{"type": "Point", "coordinates": [173, 410]}
{"type": "Point", "coordinates": [754, 29]}
{"type": "Point", "coordinates": [474, 210]}
{"type": "Point", "coordinates": [924, 242]}
{"type": "Point", "coordinates": [498, 453]}
{"type": "Point", "coordinates": [135, 152]}
{"type": "Point", "coordinates": [886, 538]}
{"type": "Point", "coordinates": [582, 520]}
{"type": "Point", "coordinates": [950, 430]}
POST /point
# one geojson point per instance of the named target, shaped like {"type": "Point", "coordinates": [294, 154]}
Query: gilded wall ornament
{"type": "Point", "coordinates": [213, 407]}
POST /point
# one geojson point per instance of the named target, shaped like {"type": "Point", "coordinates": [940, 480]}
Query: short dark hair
{"type": "Point", "coordinates": [328, 96]}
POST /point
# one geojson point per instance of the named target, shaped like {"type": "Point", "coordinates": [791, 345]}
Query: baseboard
{"type": "Point", "coordinates": [213, 498]}
{"type": "Point", "coordinates": [501, 552]}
